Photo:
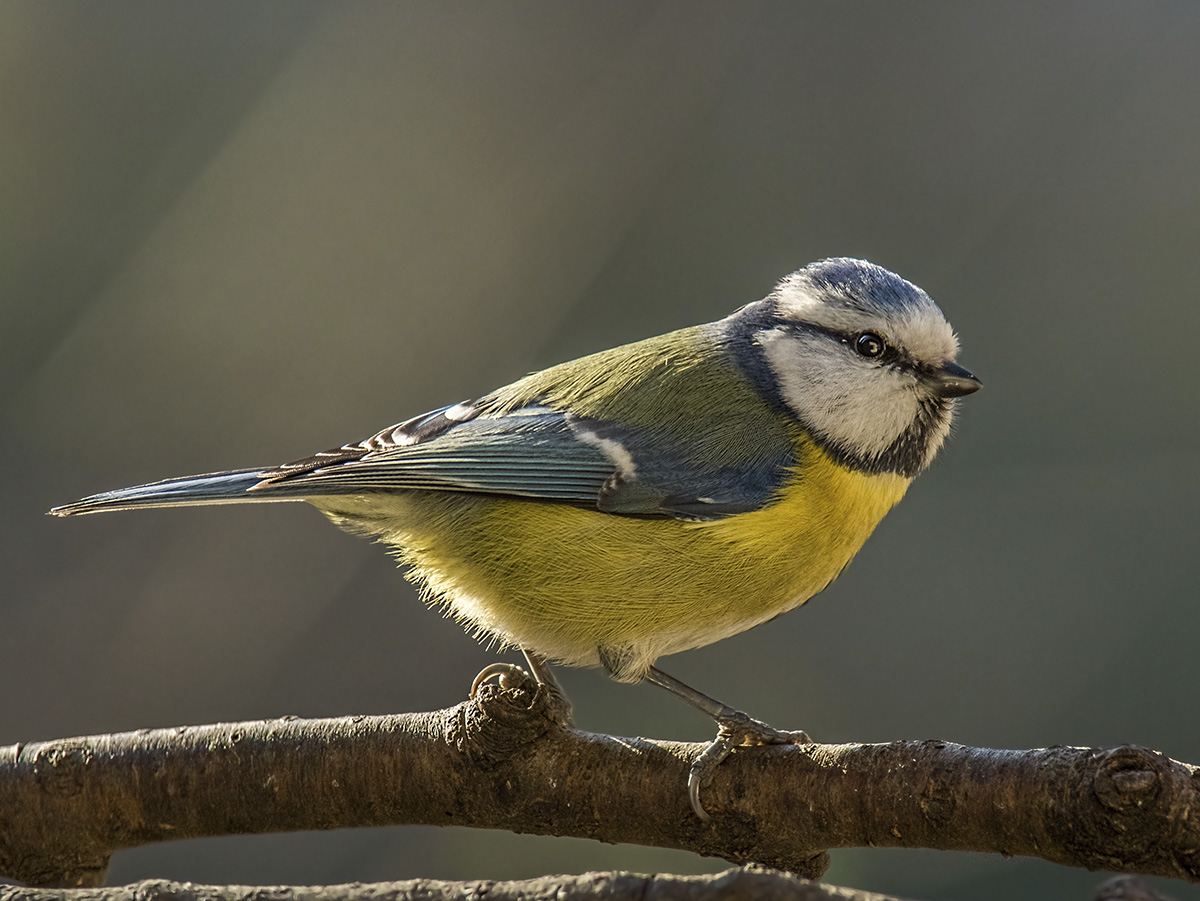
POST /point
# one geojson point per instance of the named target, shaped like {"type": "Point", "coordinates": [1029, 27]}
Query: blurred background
{"type": "Point", "coordinates": [232, 234]}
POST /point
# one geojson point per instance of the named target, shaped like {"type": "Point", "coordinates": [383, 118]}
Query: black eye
{"type": "Point", "coordinates": [870, 344]}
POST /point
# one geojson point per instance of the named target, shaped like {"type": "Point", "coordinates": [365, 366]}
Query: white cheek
{"type": "Point", "coordinates": [851, 401]}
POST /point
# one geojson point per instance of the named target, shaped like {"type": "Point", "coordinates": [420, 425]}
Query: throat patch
{"type": "Point", "coordinates": [908, 454]}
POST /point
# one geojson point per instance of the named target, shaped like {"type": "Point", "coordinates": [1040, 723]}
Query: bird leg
{"type": "Point", "coordinates": [735, 729]}
{"type": "Point", "coordinates": [541, 670]}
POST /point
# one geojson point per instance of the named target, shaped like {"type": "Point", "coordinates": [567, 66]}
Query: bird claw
{"type": "Point", "coordinates": [534, 678]}
{"type": "Point", "coordinates": [509, 675]}
{"type": "Point", "coordinates": [736, 730]}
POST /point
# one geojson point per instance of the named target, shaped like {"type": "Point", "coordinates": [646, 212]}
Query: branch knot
{"type": "Point", "coordinates": [504, 718]}
{"type": "Point", "coordinates": [1128, 779]}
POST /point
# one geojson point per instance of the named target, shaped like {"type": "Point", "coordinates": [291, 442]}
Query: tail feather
{"type": "Point", "coordinates": [213, 488]}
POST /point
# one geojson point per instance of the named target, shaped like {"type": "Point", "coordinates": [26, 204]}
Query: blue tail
{"type": "Point", "coordinates": [214, 488]}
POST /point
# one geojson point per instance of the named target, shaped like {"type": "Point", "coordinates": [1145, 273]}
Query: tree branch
{"type": "Point", "coordinates": [727, 886]}
{"type": "Point", "coordinates": [508, 760]}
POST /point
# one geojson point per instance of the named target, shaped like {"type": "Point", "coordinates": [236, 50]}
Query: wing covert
{"type": "Point", "coordinates": [531, 452]}
{"type": "Point", "coordinates": [542, 453]}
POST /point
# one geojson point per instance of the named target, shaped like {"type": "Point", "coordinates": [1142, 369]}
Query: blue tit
{"type": "Point", "coordinates": [651, 498]}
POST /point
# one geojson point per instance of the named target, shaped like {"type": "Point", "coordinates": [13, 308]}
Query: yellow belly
{"type": "Point", "coordinates": [563, 581]}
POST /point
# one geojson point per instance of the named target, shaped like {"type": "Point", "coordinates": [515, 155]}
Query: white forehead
{"type": "Point", "coordinates": [848, 295]}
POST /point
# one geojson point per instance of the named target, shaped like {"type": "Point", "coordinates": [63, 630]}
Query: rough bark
{"type": "Point", "coordinates": [728, 886]}
{"type": "Point", "coordinates": [509, 760]}
{"type": "Point", "coordinates": [733, 885]}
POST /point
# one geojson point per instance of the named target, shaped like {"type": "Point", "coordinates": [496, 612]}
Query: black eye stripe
{"type": "Point", "coordinates": [891, 355]}
{"type": "Point", "coordinates": [850, 339]}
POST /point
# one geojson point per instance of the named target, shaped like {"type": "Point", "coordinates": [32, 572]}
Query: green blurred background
{"type": "Point", "coordinates": [235, 233]}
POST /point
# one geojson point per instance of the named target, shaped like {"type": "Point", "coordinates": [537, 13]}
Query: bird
{"type": "Point", "coordinates": [651, 498]}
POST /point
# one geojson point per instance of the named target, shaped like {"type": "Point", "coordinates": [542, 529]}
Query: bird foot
{"type": "Point", "coordinates": [736, 730]}
{"type": "Point", "coordinates": [536, 679]}
{"type": "Point", "coordinates": [508, 675]}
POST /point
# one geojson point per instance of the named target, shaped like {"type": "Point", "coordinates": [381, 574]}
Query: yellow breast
{"type": "Point", "coordinates": [563, 581]}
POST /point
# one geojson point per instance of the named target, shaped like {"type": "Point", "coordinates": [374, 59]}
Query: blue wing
{"type": "Point", "coordinates": [534, 452]}
{"type": "Point", "coordinates": [546, 454]}
{"type": "Point", "coordinates": [531, 452]}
